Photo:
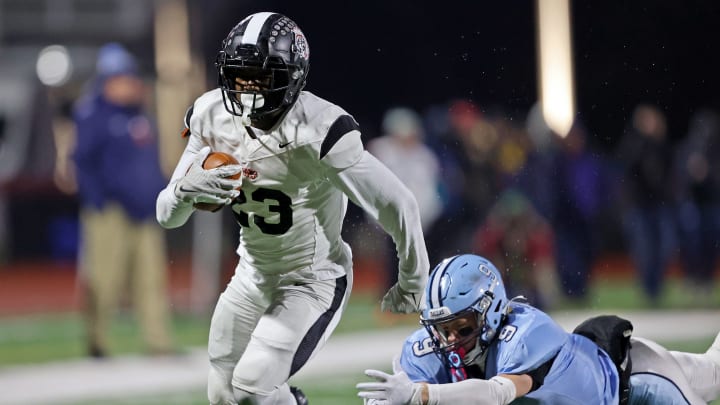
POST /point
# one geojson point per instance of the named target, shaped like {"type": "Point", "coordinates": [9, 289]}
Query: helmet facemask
{"type": "Point", "coordinates": [465, 332]}
{"type": "Point", "coordinates": [256, 93]}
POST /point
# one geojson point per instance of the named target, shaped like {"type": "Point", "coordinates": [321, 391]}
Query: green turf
{"type": "Point", "coordinates": [46, 338]}
{"type": "Point", "coordinates": [609, 294]}
{"type": "Point", "coordinates": [55, 337]}
{"type": "Point", "coordinates": [330, 390]}
{"type": "Point", "coordinates": [40, 339]}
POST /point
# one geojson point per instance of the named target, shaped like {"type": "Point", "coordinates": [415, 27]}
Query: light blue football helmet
{"type": "Point", "coordinates": [470, 287]}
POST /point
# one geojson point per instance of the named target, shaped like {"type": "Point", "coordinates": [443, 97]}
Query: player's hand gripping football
{"type": "Point", "coordinates": [208, 186]}
{"type": "Point", "coordinates": [401, 301]}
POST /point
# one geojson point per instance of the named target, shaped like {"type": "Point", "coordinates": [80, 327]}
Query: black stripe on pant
{"type": "Point", "coordinates": [311, 339]}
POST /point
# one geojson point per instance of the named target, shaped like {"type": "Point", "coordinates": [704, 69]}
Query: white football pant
{"type": "Point", "coordinates": [260, 337]}
{"type": "Point", "coordinates": [696, 375]}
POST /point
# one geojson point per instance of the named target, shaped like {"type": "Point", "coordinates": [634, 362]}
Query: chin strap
{"type": "Point", "coordinates": [457, 367]}
{"type": "Point", "coordinates": [245, 119]}
{"type": "Point", "coordinates": [249, 101]}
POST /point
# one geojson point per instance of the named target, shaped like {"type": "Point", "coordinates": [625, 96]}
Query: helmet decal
{"type": "Point", "coordinates": [434, 283]}
{"type": "Point", "coordinates": [486, 271]}
{"type": "Point", "coordinates": [301, 45]}
{"type": "Point", "coordinates": [254, 27]}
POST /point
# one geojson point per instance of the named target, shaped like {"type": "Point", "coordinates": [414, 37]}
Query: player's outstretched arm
{"type": "Point", "coordinates": [372, 186]}
{"type": "Point", "coordinates": [397, 389]}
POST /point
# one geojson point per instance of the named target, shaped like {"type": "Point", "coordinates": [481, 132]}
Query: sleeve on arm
{"type": "Point", "coordinates": [495, 391]}
{"type": "Point", "coordinates": [87, 155]}
{"type": "Point", "coordinates": [372, 186]}
{"type": "Point", "coordinates": [170, 211]}
{"type": "Point", "coordinates": [188, 115]}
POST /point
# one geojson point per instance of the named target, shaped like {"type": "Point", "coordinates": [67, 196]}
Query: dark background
{"type": "Point", "coordinates": [368, 56]}
{"type": "Point", "coordinates": [372, 55]}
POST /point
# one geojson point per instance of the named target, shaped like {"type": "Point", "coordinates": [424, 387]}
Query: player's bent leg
{"type": "Point", "coordinates": [219, 389]}
{"type": "Point", "coordinates": [702, 370]}
{"type": "Point", "coordinates": [650, 358]}
{"type": "Point", "coordinates": [236, 314]}
{"type": "Point", "coordinates": [654, 389]}
{"type": "Point", "coordinates": [293, 329]}
{"type": "Point", "coordinates": [281, 396]}
{"type": "Point", "coordinates": [299, 395]}
{"type": "Point", "coordinates": [714, 351]}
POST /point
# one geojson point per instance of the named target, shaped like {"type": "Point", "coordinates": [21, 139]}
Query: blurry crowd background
{"type": "Point", "coordinates": [546, 208]}
{"type": "Point", "coordinates": [446, 97]}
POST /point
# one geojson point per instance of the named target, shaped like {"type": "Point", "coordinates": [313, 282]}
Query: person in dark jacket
{"type": "Point", "coordinates": [645, 155]}
{"type": "Point", "coordinates": [118, 177]}
{"type": "Point", "coordinates": [697, 175]}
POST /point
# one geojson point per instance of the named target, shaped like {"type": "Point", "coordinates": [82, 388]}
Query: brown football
{"type": "Point", "coordinates": [213, 160]}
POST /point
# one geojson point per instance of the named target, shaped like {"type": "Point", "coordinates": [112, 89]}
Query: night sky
{"type": "Point", "coordinates": [369, 56]}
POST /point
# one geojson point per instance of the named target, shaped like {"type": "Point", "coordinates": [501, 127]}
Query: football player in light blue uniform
{"type": "Point", "coordinates": [515, 339]}
{"type": "Point", "coordinates": [478, 347]}
{"type": "Point", "coordinates": [580, 372]}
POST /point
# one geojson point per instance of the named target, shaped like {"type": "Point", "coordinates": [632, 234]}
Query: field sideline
{"type": "Point", "coordinates": [84, 380]}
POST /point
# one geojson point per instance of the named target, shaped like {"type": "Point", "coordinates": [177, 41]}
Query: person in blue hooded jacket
{"type": "Point", "coordinates": [119, 177]}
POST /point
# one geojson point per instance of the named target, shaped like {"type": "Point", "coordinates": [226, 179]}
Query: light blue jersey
{"type": "Point", "coordinates": [581, 373]}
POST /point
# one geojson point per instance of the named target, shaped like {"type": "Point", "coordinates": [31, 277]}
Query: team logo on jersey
{"type": "Point", "coordinates": [301, 44]}
{"type": "Point", "coordinates": [249, 173]}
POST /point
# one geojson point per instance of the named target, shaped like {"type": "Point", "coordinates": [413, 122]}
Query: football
{"type": "Point", "coordinates": [213, 160]}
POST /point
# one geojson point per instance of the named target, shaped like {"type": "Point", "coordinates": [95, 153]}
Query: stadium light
{"type": "Point", "coordinates": [555, 69]}
{"type": "Point", "coordinates": [54, 66]}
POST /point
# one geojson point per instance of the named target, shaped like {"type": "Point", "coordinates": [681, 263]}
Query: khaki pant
{"type": "Point", "coordinates": [118, 253]}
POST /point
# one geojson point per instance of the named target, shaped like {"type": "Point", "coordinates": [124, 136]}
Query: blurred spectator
{"type": "Point", "coordinates": [565, 181]}
{"type": "Point", "coordinates": [118, 178]}
{"type": "Point", "coordinates": [577, 182]}
{"type": "Point", "coordinates": [698, 190]}
{"type": "Point", "coordinates": [510, 153]}
{"type": "Point", "coordinates": [466, 147]}
{"type": "Point", "coordinates": [646, 159]}
{"type": "Point", "coordinates": [540, 164]}
{"type": "Point", "coordinates": [402, 150]}
{"type": "Point", "coordinates": [519, 241]}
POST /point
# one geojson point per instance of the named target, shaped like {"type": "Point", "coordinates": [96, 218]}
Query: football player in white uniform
{"type": "Point", "coordinates": [301, 158]}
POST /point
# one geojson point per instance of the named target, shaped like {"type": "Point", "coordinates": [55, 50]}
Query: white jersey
{"type": "Point", "coordinates": [295, 185]}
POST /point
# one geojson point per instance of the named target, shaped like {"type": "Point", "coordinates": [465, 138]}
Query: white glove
{"type": "Point", "coordinates": [208, 186]}
{"type": "Point", "coordinates": [389, 389]}
{"type": "Point", "coordinates": [400, 301]}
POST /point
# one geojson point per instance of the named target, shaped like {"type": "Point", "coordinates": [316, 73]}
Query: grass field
{"type": "Point", "coordinates": [332, 390]}
{"type": "Point", "coordinates": [41, 339]}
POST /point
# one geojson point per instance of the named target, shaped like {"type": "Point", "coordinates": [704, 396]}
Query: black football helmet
{"type": "Point", "coordinates": [270, 51]}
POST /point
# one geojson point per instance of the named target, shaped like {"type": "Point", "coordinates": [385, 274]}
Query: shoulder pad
{"type": "Point", "coordinates": [188, 114]}
{"type": "Point", "coordinates": [342, 125]}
